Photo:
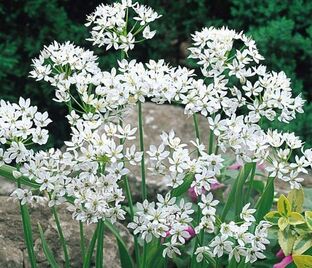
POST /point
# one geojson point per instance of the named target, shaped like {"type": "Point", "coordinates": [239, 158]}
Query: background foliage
{"type": "Point", "coordinates": [281, 28]}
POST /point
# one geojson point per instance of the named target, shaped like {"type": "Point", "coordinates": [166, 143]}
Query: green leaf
{"type": "Point", "coordinates": [296, 198]}
{"type": "Point", "coordinates": [46, 249]}
{"type": "Point", "coordinates": [308, 218]}
{"type": "Point", "coordinates": [184, 186]}
{"type": "Point", "coordinates": [154, 254]}
{"type": "Point", "coordinates": [242, 178]}
{"type": "Point", "coordinates": [272, 217]}
{"type": "Point", "coordinates": [7, 172]}
{"type": "Point", "coordinates": [295, 218]}
{"type": "Point", "coordinates": [283, 205]}
{"type": "Point", "coordinates": [87, 258]}
{"type": "Point", "coordinates": [257, 185]}
{"type": "Point", "coordinates": [286, 241]}
{"type": "Point", "coordinates": [303, 261]}
{"type": "Point", "coordinates": [302, 229]}
{"type": "Point", "coordinates": [28, 234]}
{"type": "Point", "coordinates": [302, 244]}
{"type": "Point", "coordinates": [125, 258]}
{"type": "Point", "coordinates": [210, 259]}
{"type": "Point", "coordinates": [265, 202]}
{"type": "Point", "coordinates": [282, 223]}
{"type": "Point", "coordinates": [236, 191]}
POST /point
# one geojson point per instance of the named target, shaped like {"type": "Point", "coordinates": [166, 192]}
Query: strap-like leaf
{"type": "Point", "coordinates": [28, 234]}
{"type": "Point", "coordinates": [125, 258]}
{"type": "Point", "coordinates": [184, 186]}
{"type": "Point", "coordinates": [46, 250]}
{"type": "Point", "coordinates": [235, 196]}
{"type": "Point", "coordinates": [265, 202]}
{"type": "Point", "coordinates": [242, 178]}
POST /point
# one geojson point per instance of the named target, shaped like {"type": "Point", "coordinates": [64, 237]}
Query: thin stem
{"type": "Point", "coordinates": [130, 203]}
{"type": "Point", "coordinates": [61, 235]}
{"type": "Point", "coordinates": [211, 139]}
{"type": "Point", "coordinates": [195, 120]}
{"type": "Point", "coordinates": [87, 259]}
{"type": "Point", "coordinates": [99, 249]}
{"type": "Point", "coordinates": [200, 238]}
{"type": "Point", "coordinates": [144, 194]}
{"type": "Point", "coordinates": [82, 240]}
{"type": "Point", "coordinates": [27, 232]}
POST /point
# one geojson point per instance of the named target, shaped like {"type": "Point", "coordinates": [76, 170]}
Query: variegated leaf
{"type": "Point", "coordinates": [283, 206]}
{"type": "Point", "coordinates": [286, 241]}
{"type": "Point", "coordinates": [296, 198]}
{"type": "Point", "coordinates": [302, 244]}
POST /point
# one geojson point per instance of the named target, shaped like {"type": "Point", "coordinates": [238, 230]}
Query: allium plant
{"type": "Point", "coordinates": [235, 92]}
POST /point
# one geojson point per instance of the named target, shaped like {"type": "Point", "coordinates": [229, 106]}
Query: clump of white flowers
{"type": "Point", "coordinates": [110, 22]}
{"type": "Point", "coordinates": [235, 94]}
{"type": "Point", "coordinates": [21, 125]}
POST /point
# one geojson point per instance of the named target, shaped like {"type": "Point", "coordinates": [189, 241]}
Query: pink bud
{"type": "Point", "coordinates": [287, 260]}
{"type": "Point", "coordinates": [167, 234]}
{"type": "Point", "coordinates": [235, 166]}
{"type": "Point", "coordinates": [191, 231]}
{"type": "Point", "coordinates": [261, 167]}
{"type": "Point", "coordinates": [280, 254]}
{"type": "Point", "coordinates": [216, 185]}
{"type": "Point", "coordinates": [192, 194]}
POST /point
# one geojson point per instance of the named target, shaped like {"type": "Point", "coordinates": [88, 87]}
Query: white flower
{"type": "Point", "coordinates": [179, 234]}
{"type": "Point", "coordinates": [200, 253]}
{"type": "Point", "coordinates": [246, 213]}
{"type": "Point", "coordinates": [221, 244]}
{"type": "Point", "coordinates": [24, 195]}
{"type": "Point", "coordinates": [171, 250]}
{"type": "Point", "coordinates": [147, 33]}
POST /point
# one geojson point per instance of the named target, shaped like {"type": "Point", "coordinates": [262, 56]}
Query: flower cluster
{"type": "Point", "coordinates": [237, 240]}
{"type": "Point", "coordinates": [64, 65]}
{"type": "Point", "coordinates": [88, 171]}
{"type": "Point", "coordinates": [236, 94]}
{"type": "Point", "coordinates": [172, 160]}
{"type": "Point", "coordinates": [163, 220]}
{"type": "Point", "coordinates": [21, 125]}
{"type": "Point", "coordinates": [110, 24]}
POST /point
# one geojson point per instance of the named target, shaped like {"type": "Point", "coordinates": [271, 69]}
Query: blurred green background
{"type": "Point", "coordinates": [282, 30]}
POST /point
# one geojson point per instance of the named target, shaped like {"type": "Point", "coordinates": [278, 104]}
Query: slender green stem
{"type": "Point", "coordinates": [27, 232]}
{"type": "Point", "coordinates": [211, 139]}
{"type": "Point", "coordinates": [82, 240]}
{"type": "Point", "coordinates": [195, 120]}
{"type": "Point", "coordinates": [87, 259]}
{"type": "Point", "coordinates": [130, 203]}
{"type": "Point", "coordinates": [144, 194]}
{"type": "Point", "coordinates": [100, 242]}
{"type": "Point", "coordinates": [200, 238]}
{"type": "Point", "coordinates": [61, 235]}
